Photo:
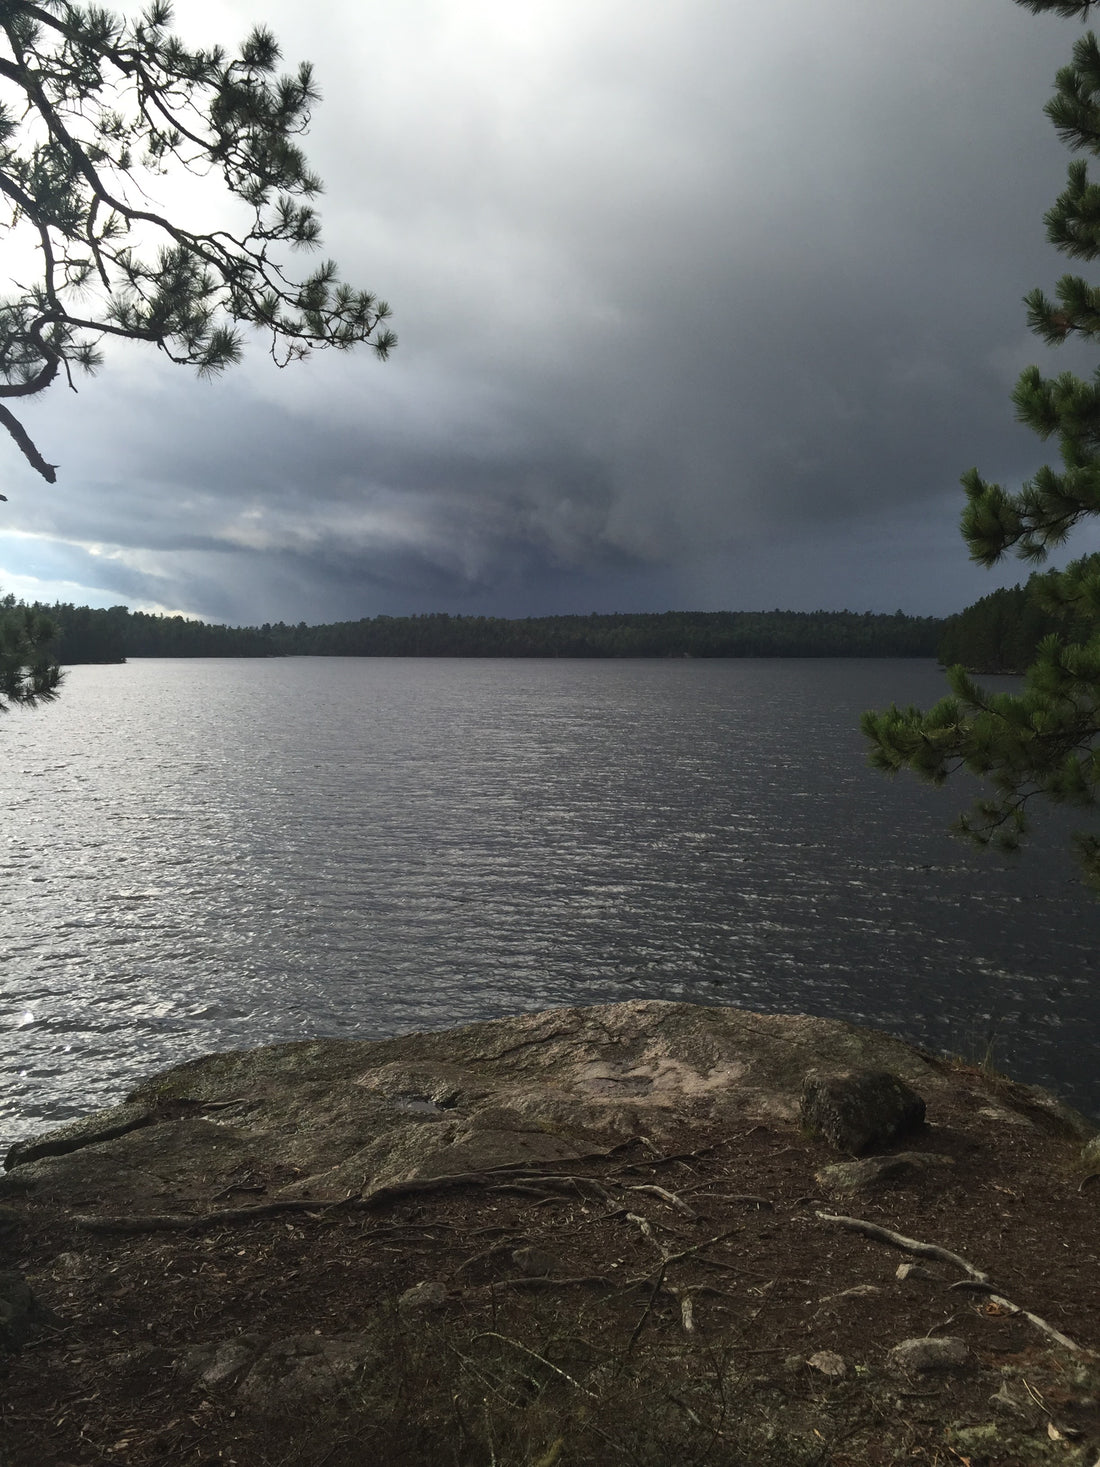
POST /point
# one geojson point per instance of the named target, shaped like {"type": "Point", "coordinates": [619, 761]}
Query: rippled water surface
{"type": "Point", "coordinates": [206, 854]}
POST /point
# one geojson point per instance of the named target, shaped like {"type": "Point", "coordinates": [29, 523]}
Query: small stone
{"type": "Point", "coordinates": [71, 1265]}
{"type": "Point", "coordinates": [859, 1110]}
{"type": "Point", "coordinates": [881, 1173]}
{"type": "Point", "coordinates": [214, 1365]}
{"type": "Point", "coordinates": [424, 1295]}
{"type": "Point", "coordinates": [946, 1353]}
{"type": "Point", "coordinates": [535, 1262]}
{"type": "Point", "coordinates": [829, 1363]}
{"type": "Point", "coordinates": [302, 1370]}
{"type": "Point", "coordinates": [20, 1311]}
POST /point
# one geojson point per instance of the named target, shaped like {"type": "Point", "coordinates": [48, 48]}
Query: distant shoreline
{"type": "Point", "coordinates": [104, 636]}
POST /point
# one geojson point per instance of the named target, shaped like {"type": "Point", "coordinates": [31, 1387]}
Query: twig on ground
{"type": "Point", "coordinates": [551, 1281]}
{"type": "Point", "coordinates": [494, 1251]}
{"type": "Point", "coordinates": [647, 1232]}
{"type": "Point", "coordinates": [1033, 1319]}
{"type": "Point", "coordinates": [514, 1176]}
{"type": "Point", "coordinates": [163, 1222]}
{"type": "Point", "coordinates": [667, 1196]}
{"type": "Point", "coordinates": [656, 1289]}
{"type": "Point", "coordinates": [224, 1216]}
{"type": "Point", "coordinates": [492, 1335]}
{"type": "Point", "coordinates": [657, 1159]}
{"type": "Point", "coordinates": [706, 1243]}
{"type": "Point", "coordinates": [744, 1197]}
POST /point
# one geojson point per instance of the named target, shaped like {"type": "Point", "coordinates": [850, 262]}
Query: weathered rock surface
{"type": "Point", "coordinates": [325, 1119]}
{"type": "Point", "coordinates": [216, 1364]}
{"type": "Point", "coordinates": [281, 1375]}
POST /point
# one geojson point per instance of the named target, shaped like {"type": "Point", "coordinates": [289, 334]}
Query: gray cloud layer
{"type": "Point", "coordinates": [700, 306]}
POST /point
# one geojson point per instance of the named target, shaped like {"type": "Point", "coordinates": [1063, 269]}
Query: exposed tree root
{"type": "Point", "coordinates": [502, 1179]}
{"type": "Point", "coordinates": [978, 1279]}
{"type": "Point", "coordinates": [898, 1240]}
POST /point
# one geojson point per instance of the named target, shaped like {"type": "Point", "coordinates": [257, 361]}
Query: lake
{"type": "Point", "coordinates": [202, 855]}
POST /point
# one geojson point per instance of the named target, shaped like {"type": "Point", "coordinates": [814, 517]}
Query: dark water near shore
{"type": "Point", "coordinates": [199, 855]}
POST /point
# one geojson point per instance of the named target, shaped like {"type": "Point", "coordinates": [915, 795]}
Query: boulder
{"type": "Point", "coordinates": [859, 1110]}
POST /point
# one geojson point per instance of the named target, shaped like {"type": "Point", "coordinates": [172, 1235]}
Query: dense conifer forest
{"type": "Point", "coordinates": [87, 635]}
{"type": "Point", "coordinates": [1002, 631]}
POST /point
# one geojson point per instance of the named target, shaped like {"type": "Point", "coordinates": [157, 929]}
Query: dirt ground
{"type": "Point", "coordinates": [682, 1307]}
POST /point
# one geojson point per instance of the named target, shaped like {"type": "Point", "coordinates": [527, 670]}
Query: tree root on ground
{"type": "Point", "coordinates": [977, 1279]}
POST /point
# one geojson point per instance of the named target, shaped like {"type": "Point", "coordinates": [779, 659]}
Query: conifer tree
{"type": "Point", "coordinates": [29, 675]}
{"type": "Point", "coordinates": [97, 113]}
{"type": "Point", "coordinates": [1044, 742]}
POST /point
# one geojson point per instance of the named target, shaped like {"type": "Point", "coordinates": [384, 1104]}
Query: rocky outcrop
{"type": "Point", "coordinates": [325, 1119]}
{"type": "Point", "coordinates": [336, 1231]}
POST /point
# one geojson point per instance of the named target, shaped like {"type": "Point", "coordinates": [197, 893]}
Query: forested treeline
{"type": "Point", "coordinates": [87, 635]}
{"type": "Point", "coordinates": [1002, 631]}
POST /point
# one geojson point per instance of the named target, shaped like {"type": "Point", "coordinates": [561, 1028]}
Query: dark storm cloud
{"type": "Point", "coordinates": [704, 306]}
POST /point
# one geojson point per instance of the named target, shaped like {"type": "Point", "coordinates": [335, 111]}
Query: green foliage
{"type": "Point", "coordinates": [93, 108]}
{"type": "Point", "coordinates": [1071, 9]}
{"type": "Point", "coordinates": [1041, 743]}
{"type": "Point", "coordinates": [1002, 632]}
{"type": "Point", "coordinates": [29, 673]}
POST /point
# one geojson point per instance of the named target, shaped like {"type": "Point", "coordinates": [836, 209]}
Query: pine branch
{"type": "Point", "coordinates": [97, 87]}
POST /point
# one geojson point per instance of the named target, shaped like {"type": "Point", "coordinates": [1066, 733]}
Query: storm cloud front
{"type": "Point", "coordinates": [704, 307]}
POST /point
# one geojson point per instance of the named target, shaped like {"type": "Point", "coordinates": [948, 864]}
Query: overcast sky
{"type": "Point", "coordinates": [703, 306]}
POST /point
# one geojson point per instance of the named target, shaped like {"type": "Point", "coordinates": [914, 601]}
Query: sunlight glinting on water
{"type": "Point", "coordinates": [200, 855]}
